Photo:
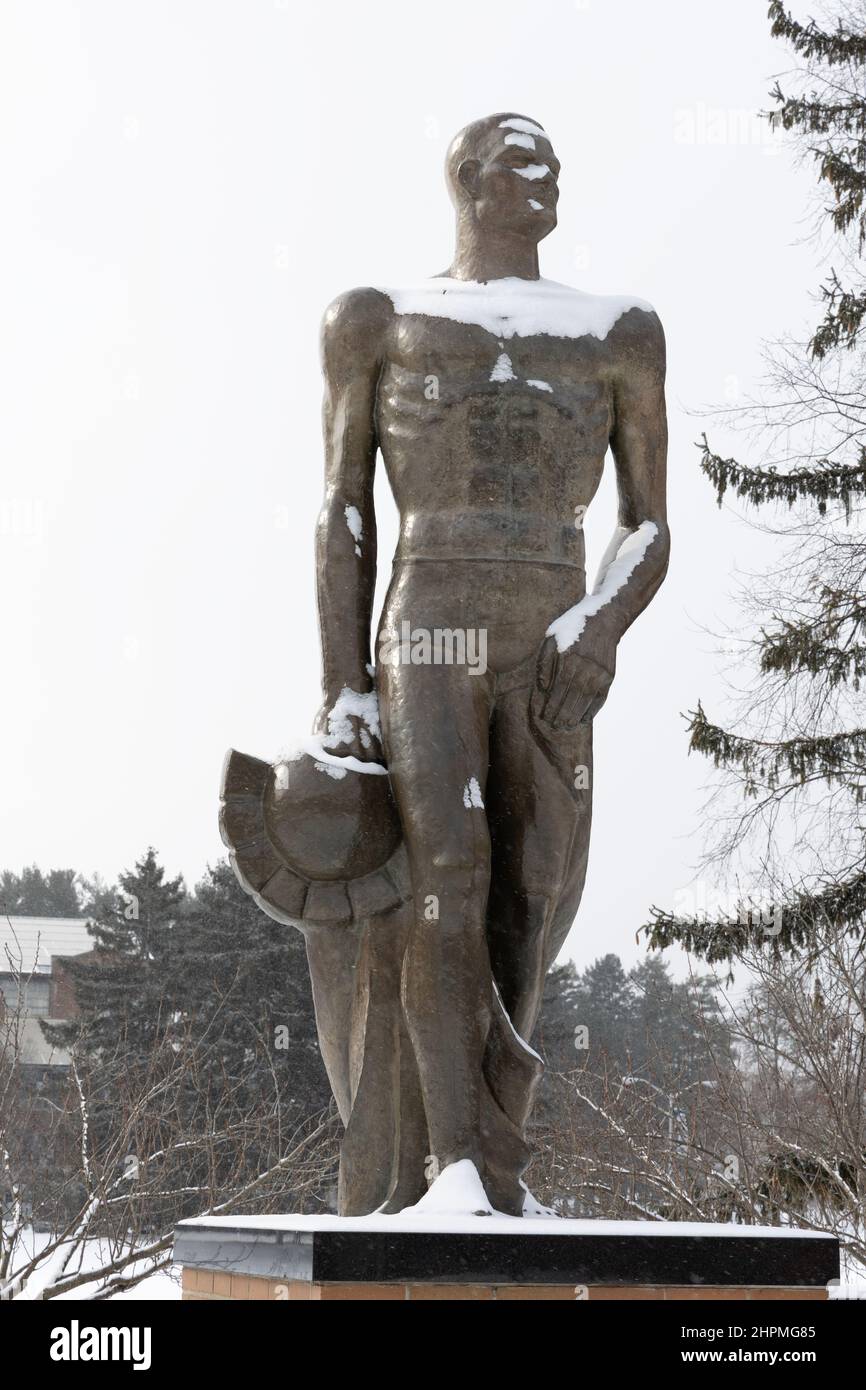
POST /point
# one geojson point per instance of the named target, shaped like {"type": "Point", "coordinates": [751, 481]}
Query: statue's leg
{"type": "Point", "coordinates": [435, 722]}
{"type": "Point", "coordinates": [539, 799]}
{"type": "Point", "coordinates": [385, 1144]}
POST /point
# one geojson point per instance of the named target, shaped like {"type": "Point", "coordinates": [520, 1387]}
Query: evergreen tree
{"type": "Point", "coordinates": [34, 894]}
{"type": "Point", "coordinates": [125, 988]}
{"type": "Point", "coordinates": [604, 1001]}
{"type": "Point", "coordinates": [243, 985]}
{"type": "Point", "coordinates": [207, 1001]}
{"type": "Point", "coordinates": [829, 115]}
{"type": "Point", "coordinates": [676, 1028]}
{"type": "Point", "coordinates": [797, 750]}
{"type": "Point", "coordinates": [559, 1016]}
{"type": "Point", "coordinates": [643, 1023]}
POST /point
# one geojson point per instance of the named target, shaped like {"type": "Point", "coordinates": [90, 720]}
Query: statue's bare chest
{"type": "Point", "coordinates": [433, 365]}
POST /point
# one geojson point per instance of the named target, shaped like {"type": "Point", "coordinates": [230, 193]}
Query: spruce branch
{"type": "Point", "coordinates": [798, 924]}
{"type": "Point", "coordinates": [838, 46]}
{"type": "Point", "coordinates": [838, 757]}
{"type": "Point", "coordinates": [826, 482]}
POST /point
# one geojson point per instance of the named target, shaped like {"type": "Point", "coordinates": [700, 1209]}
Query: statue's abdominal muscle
{"type": "Point", "coordinates": [506, 441]}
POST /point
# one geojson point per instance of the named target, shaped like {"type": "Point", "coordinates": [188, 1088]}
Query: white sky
{"type": "Point", "coordinates": [187, 185]}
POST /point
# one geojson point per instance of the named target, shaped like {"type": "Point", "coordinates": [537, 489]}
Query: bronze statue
{"type": "Point", "coordinates": [435, 898]}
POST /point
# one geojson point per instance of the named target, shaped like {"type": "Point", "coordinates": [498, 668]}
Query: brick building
{"type": "Point", "coordinates": [33, 982]}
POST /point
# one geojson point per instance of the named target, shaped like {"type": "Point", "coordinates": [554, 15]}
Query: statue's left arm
{"type": "Point", "coordinates": [353, 331]}
{"type": "Point", "coordinates": [578, 659]}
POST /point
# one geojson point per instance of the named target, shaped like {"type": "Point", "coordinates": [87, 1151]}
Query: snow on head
{"type": "Point", "coordinates": [532, 171]}
{"type": "Point", "coordinates": [355, 524]}
{"type": "Point", "coordinates": [632, 547]}
{"type": "Point", "coordinates": [526, 142]}
{"type": "Point", "coordinates": [512, 307]}
{"type": "Point", "coordinates": [535, 205]}
{"type": "Point", "coordinates": [527, 127]}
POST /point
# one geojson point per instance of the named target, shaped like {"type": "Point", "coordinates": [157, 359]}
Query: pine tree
{"type": "Point", "coordinates": [833, 116]}
{"type": "Point", "coordinates": [124, 988]}
{"type": "Point", "coordinates": [556, 1035]}
{"type": "Point", "coordinates": [35, 894]}
{"type": "Point", "coordinates": [797, 752]}
{"type": "Point", "coordinates": [604, 1000]}
{"type": "Point", "coordinates": [676, 1029]}
{"type": "Point", "coordinates": [203, 1003]}
{"type": "Point", "coordinates": [640, 1022]}
{"type": "Point", "coordinates": [243, 985]}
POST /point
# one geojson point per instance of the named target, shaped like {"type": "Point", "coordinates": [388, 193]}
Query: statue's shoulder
{"type": "Point", "coordinates": [353, 335]}
{"type": "Point", "coordinates": [611, 317]}
{"type": "Point", "coordinates": [633, 324]}
{"type": "Point", "coordinates": [357, 313]}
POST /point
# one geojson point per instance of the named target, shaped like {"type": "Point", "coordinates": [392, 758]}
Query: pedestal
{"type": "Point", "coordinates": [292, 1258]}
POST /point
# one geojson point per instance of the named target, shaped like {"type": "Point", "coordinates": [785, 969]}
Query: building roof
{"type": "Point", "coordinates": [28, 943]}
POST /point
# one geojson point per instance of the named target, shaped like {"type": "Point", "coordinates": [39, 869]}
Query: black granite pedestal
{"type": "Point", "coordinates": [291, 1258]}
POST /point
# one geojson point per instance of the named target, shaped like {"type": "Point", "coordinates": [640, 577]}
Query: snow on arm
{"type": "Point", "coordinates": [472, 795]}
{"type": "Point", "coordinates": [314, 747]}
{"type": "Point", "coordinates": [630, 548]}
{"type": "Point", "coordinates": [356, 526]}
{"type": "Point", "coordinates": [350, 704]}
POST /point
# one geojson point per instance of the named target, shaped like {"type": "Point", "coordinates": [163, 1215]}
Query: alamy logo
{"type": "Point", "coordinates": [437, 646]}
{"type": "Point", "coordinates": [77, 1343]}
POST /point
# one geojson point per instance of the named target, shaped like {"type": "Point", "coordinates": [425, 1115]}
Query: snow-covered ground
{"type": "Point", "coordinates": [93, 1255]}
{"type": "Point", "coordinates": [161, 1287]}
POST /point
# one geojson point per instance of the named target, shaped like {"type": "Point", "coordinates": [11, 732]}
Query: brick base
{"type": "Point", "coordinates": [209, 1285]}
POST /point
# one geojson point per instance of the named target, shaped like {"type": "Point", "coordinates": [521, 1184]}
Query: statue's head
{"type": "Point", "coordinates": [502, 173]}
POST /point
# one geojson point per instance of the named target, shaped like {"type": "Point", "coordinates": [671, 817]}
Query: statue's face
{"type": "Point", "coordinates": [513, 182]}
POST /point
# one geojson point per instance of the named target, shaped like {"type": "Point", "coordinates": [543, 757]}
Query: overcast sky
{"type": "Point", "coordinates": [187, 185]}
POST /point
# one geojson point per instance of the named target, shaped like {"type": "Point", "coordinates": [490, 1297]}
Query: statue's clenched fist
{"type": "Point", "coordinates": [571, 686]}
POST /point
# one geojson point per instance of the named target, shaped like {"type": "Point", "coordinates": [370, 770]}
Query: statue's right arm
{"type": "Point", "coordinates": [354, 330]}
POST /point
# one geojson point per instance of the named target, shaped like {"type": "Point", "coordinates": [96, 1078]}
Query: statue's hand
{"type": "Point", "coordinates": [348, 737]}
{"type": "Point", "coordinates": [572, 686]}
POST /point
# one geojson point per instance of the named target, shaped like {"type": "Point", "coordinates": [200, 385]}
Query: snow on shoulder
{"type": "Point", "coordinates": [512, 307]}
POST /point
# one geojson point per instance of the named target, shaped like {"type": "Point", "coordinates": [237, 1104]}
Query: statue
{"type": "Point", "coordinates": [431, 838]}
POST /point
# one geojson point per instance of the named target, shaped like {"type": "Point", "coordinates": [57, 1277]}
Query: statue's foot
{"type": "Point", "coordinates": [506, 1192]}
{"type": "Point", "coordinates": [457, 1191]}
